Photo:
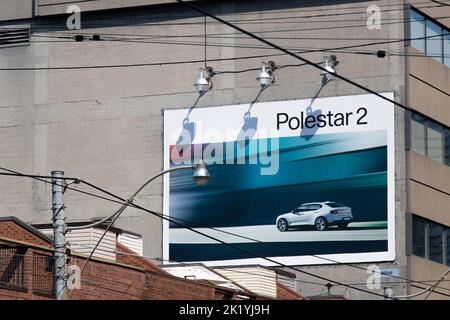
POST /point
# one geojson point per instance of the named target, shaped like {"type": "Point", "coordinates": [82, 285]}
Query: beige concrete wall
{"type": "Point", "coordinates": [51, 7]}
{"type": "Point", "coordinates": [430, 94]}
{"type": "Point", "coordinates": [429, 172]}
{"type": "Point", "coordinates": [15, 9]}
{"type": "Point", "coordinates": [429, 203]}
{"type": "Point", "coordinates": [425, 270]}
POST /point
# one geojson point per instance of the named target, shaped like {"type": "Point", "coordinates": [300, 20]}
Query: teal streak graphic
{"type": "Point", "coordinates": [349, 168]}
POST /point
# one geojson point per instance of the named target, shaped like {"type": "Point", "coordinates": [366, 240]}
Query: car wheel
{"type": "Point", "coordinates": [282, 225]}
{"type": "Point", "coordinates": [320, 224]}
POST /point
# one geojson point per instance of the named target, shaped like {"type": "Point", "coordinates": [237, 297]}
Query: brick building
{"type": "Point", "coordinates": [26, 272]}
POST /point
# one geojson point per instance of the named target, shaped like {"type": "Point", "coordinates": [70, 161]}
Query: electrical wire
{"type": "Point", "coordinates": [431, 288]}
{"type": "Point", "coordinates": [226, 232]}
{"type": "Point", "coordinates": [295, 55]}
{"type": "Point", "coordinates": [252, 273]}
{"type": "Point", "coordinates": [37, 177]}
{"type": "Point", "coordinates": [233, 246]}
{"type": "Point", "coordinates": [332, 50]}
{"type": "Point", "coordinates": [32, 176]}
{"type": "Point", "coordinates": [118, 252]}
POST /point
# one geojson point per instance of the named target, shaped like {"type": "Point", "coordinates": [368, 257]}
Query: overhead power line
{"type": "Point", "coordinates": [235, 247]}
{"type": "Point", "coordinates": [161, 259]}
{"type": "Point", "coordinates": [298, 57]}
{"type": "Point", "coordinates": [332, 50]}
{"type": "Point", "coordinates": [167, 217]}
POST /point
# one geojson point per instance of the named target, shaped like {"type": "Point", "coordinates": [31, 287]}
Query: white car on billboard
{"type": "Point", "coordinates": [321, 215]}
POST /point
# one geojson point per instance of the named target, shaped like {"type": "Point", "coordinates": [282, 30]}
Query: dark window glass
{"type": "Point", "coordinates": [315, 206]}
{"type": "Point", "coordinates": [334, 204]}
{"type": "Point", "coordinates": [417, 31]}
{"type": "Point", "coordinates": [435, 242]}
{"type": "Point", "coordinates": [448, 246]}
{"type": "Point", "coordinates": [435, 145]}
{"type": "Point", "coordinates": [447, 48]}
{"type": "Point", "coordinates": [434, 41]}
{"type": "Point", "coordinates": [418, 134]}
{"type": "Point", "coordinates": [418, 236]}
{"type": "Point", "coordinates": [447, 146]}
{"type": "Point", "coordinates": [302, 208]}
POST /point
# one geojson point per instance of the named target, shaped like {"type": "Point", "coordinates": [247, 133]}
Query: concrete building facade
{"type": "Point", "coordinates": [104, 122]}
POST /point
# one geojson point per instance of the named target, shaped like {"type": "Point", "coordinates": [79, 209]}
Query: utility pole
{"type": "Point", "coordinates": [59, 237]}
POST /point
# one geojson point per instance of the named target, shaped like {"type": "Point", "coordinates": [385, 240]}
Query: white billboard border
{"type": "Point", "coordinates": [304, 260]}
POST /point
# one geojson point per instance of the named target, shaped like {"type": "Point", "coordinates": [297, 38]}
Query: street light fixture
{"type": "Point", "coordinates": [200, 175]}
{"type": "Point", "coordinates": [204, 83]}
{"type": "Point", "coordinates": [330, 67]}
{"type": "Point", "coordinates": [265, 76]}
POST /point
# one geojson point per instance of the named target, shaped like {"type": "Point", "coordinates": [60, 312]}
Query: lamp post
{"type": "Point", "coordinates": [200, 175]}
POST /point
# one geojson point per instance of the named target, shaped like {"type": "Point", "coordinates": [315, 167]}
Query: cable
{"type": "Point", "coordinates": [63, 186]}
{"type": "Point", "coordinates": [441, 3]}
{"type": "Point", "coordinates": [226, 232]}
{"type": "Point", "coordinates": [222, 242]}
{"type": "Point", "coordinates": [32, 176]}
{"type": "Point", "coordinates": [431, 288]}
{"type": "Point", "coordinates": [252, 273]}
{"type": "Point", "coordinates": [138, 207]}
{"type": "Point", "coordinates": [270, 44]}
{"type": "Point", "coordinates": [118, 252]}
{"type": "Point", "coordinates": [232, 36]}
{"type": "Point", "coordinates": [206, 67]}
{"type": "Point", "coordinates": [336, 50]}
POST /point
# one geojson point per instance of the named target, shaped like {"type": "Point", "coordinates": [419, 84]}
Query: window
{"type": "Point", "coordinates": [435, 141]}
{"type": "Point", "coordinates": [447, 146]}
{"type": "Point", "coordinates": [334, 205]}
{"type": "Point", "coordinates": [418, 239]}
{"type": "Point", "coordinates": [429, 37]}
{"type": "Point", "coordinates": [430, 240]}
{"type": "Point", "coordinates": [418, 134]}
{"type": "Point", "coordinates": [447, 48]}
{"type": "Point", "coordinates": [448, 246]}
{"type": "Point", "coordinates": [302, 208]}
{"type": "Point", "coordinates": [430, 139]}
{"type": "Point", "coordinates": [435, 242]}
{"type": "Point", "coordinates": [314, 206]}
{"type": "Point", "coordinates": [434, 41]}
{"type": "Point", "coordinates": [417, 31]}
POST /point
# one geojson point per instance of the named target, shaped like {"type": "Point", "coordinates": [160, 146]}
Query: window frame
{"type": "Point", "coordinates": [426, 233]}
{"type": "Point", "coordinates": [427, 19]}
{"type": "Point", "coordinates": [426, 126]}
{"type": "Point", "coordinates": [441, 235]}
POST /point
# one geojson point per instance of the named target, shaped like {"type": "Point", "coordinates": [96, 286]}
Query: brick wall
{"type": "Point", "coordinates": [284, 293]}
{"type": "Point", "coordinates": [12, 230]}
{"type": "Point", "coordinates": [34, 278]}
{"type": "Point", "coordinates": [166, 287]}
{"type": "Point", "coordinates": [127, 256]}
{"type": "Point", "coordinates": [105, 281]}
{"type": "Point", "coordinates": [130, 278]}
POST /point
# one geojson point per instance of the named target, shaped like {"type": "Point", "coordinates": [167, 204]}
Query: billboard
{"type": "Point", "coordinates": [300, 182]}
